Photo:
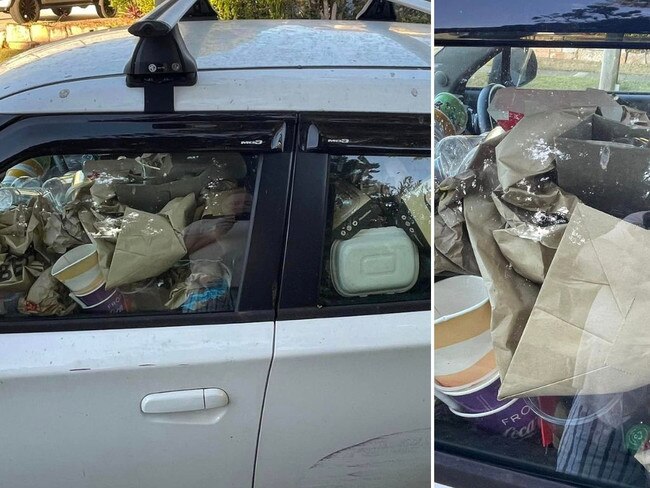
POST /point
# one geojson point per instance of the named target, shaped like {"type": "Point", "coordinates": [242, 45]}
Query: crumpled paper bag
{"type": "Point", "coordinates": [588, 331]}
{"type": "Point", "coordinates": [536, 217]}
{"type": "Point", "coordinates": [149, 244]}
{"type": "Point", "coordinates": [514, 235]}
{"type": "Point", "coordinates": [18, 273]}
{"type": "Point", "coordinates": [18, 227]}
{"type": "Point", "coordinates": [47, 297]}
{"type": "Point", "coordinates": [60, 232]}
{"type": "Point", "coordinates": [529, 148]}
{"type": "Point", "coordinates": [451, 246]}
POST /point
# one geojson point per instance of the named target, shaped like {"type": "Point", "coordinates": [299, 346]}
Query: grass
{"type": "Point", "coordinates": [8, 53]}
{"type": "Point", "coordinates": [559, 74]}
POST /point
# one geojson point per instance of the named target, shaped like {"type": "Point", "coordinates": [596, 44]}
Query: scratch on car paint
{"type": "Point", "coordinates": [399, 459]}
{"type": "Point", "coordinates": [80, 369]}
{"type": "Point", "coordinates": [145, 365]}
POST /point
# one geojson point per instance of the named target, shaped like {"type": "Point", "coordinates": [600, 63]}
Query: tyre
{"type": "Point", "coordinates": [23, 11]}
{"type": "Point", "coordinates": [62, 11]}
{"type": "Point", "coordinates": [105, 9]}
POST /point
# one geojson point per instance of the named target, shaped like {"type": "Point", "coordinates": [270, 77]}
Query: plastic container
{"type": "Point", "coordinates": [383, 260]}
{"type": "Point", "coordinates": [462, 340]}
{"type": "Point", "coordinates": [553, 418]}
{"type": "Point", "coordinates": [454, 153]}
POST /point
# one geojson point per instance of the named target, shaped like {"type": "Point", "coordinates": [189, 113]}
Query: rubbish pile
{"type": "Point", "coordinates": [102, 234]}
{"type": "Point", "coordinates": [548, 216]}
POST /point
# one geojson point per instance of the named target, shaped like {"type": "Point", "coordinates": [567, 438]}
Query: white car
{"type": "Point", "coordinates": [215, 256]}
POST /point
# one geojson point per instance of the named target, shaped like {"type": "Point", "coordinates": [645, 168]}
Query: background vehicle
{"type": "Point", "coordinates": [550, 50]}
{"type": "Point", "coordinates": [278, 381]}
{"type": "Point", "coordinates": [23, 11]}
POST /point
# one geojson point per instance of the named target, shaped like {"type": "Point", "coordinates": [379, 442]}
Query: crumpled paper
{"type": "Point", "coordinates": [47, 297]}
{"type": "Point", "coordinates": [450, 236]}
{"type": "Point", "coordinates": [17, 273]}
{"type": "Point", "coordinates": [149, 244]}
{"type": "Point", "coordinates": [514, 246]}
{"type": "Point", "coordinates": [17, 229]}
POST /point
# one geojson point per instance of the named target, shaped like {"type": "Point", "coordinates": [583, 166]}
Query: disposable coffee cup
{"type": "Point", "coordinates": [514, 420]}
{"type": "Point", "coordinates": [78, 269]}
{"type": "Point", "coordinates": [101, 300]}
{"type": "Point", "coordinates": [480, 397]}
{"type": "Point", "coordinates": [463, 343]}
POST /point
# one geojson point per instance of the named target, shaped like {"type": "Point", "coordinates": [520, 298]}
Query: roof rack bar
{"type": "Point", "coordinates": [161, 20]}
{"type": "Point", "coordinates": [161, 60]}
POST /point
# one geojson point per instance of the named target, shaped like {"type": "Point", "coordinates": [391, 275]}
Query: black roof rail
{"type": "Point", "coordinates": [161, 60]}
{"type": "Point", "coordinates": [385, 10]}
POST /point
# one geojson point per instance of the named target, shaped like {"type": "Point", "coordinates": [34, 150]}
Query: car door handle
{"type": "Point", "coordinates": [184, 400]}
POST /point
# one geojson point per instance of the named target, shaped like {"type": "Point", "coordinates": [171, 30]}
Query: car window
{"type": "Point", "coordinates": [481, 76]}
{"type": "Point", "coordinates": [540, 212]}
{"type": "Point", "coordinates": [377, 245]}
{"type": "Point", "coordinates": [577, 69]}
{"type": "Point", "coordinates": [98, 233]}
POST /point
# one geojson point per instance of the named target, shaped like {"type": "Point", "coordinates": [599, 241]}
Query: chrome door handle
{"type": "Point", "coordinates": [184, 400]}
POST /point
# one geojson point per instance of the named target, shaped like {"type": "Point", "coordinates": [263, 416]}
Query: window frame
{"type": "Point", "coordinates": [29, 136]}
{"type": "Point", "coordinates": [309, 206]}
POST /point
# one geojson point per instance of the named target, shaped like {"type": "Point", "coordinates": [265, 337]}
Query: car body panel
{"type": "Point", "coordinates": [71, 406]}
{"type": "Point", "coordinates": [348, 403]}
{"type": "Point", "coordinates": [333, 90]}
{"type": "Point", "coordinates": [246, 44]}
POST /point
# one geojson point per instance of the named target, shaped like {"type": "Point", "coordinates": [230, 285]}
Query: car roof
{"type": "Point", "coordinates": [229, 45]}
{"type": "Point", "coordinates": [526, 17]}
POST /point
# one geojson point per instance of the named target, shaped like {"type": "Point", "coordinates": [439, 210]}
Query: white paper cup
{"type": "Point", "coordinates": [463, 343]}
{"type": "Point", "coordinates": [78, 269]}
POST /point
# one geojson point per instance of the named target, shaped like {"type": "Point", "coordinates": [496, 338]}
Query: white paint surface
{"type": "Point", "coordinates": [223, 45]}
{"type": "Point", "coordinates": [71, 417]}
{"type": "Point", "coordinates": [348, 404]}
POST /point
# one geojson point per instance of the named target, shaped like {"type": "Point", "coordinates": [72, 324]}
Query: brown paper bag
{"type": "Point", "coordinates": [536, 218]}
{"type": "Point", "coordinates": [588, 333]}
{"type": "Point", "coordinates": [47, 296]}
{"type": "Point", "coordinates": [17, 228]}
{"type": "Point", "coordinates": [148, 244]}
{"type": "Point", "coordinates": [59, 232]}
{"type": "Point", "coordinates": [450, 236]}
{"type": "Point", "coordinates": [18, 273]}
{"type": "Point", "coordinates": [513, 251]}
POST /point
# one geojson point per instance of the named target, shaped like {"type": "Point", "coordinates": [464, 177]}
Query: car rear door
{"type": "Point", "coordinates": [348, 400]}
{"type": "Point", "coordinates": [158, 395]}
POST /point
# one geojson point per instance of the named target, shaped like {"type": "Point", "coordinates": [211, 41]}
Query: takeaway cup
{"type": "Point", "coordinates": [78, 269]}
{"type": "Point", "coordinates": [101, 300]}
{"type": "Point", "coordinates": [514, 420]}
{"type": "Point", "coordinates": [476, 398]}
{"type": "Point", "coordinates": [463, 344]}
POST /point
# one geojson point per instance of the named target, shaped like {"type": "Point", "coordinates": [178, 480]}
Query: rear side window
{"type": "Point", "coordinates": [124, 232]}
{"type": "Point", "coordinates": [377, 243]}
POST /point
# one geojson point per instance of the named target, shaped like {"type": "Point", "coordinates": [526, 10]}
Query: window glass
{"type": "Point", "coordinates": [481, 76]}
{"type": "Point", "coordinates": [124, 233]}
{"type": "Point", "coordinates": [542, 221]}
{"type": "Point", "coordinates": [377, 245]}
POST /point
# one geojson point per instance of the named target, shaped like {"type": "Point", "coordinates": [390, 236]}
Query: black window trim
{"type": "Point", "coordinates": [307, 217]}
{"type": "Point", "coordinates": [257, 294]}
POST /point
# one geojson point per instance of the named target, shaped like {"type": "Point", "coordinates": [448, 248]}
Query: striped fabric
{"type": "Point", "coordinates": [597, 449]}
